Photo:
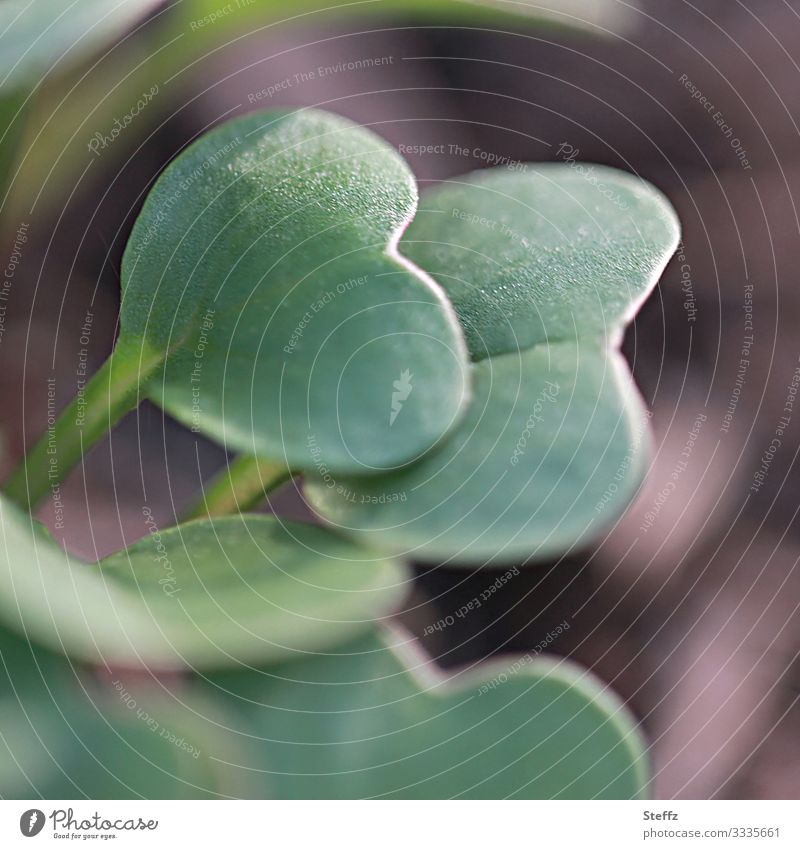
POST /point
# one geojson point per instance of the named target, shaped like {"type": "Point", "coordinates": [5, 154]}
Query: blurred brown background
{"type": "Point", "coordinates": [690, 614]}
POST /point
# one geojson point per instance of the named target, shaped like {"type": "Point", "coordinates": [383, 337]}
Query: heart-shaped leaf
{"type": "Point", "coordinates": [256, 588]}
{"type": "Point", "coordinates": [375, 719]}
{"type": "Point", "coordinates": [541, 253]}
{"type": "Point", "coordinates": [63, 737]}
{"type": "Point", "coordinates": [264, 262]}
{"type": "Point", "coordinates": [554, 259]}
{"type": "Point", "coordinates": [552, 449]}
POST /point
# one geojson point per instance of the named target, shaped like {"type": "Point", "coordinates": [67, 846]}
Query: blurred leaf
{"type": "Point", "coordinates": [552, 450]}
{"type": "Point", "coordinates": [63, 603]}
{"type": "Point", "coordinates": [372, 721]}
{"type": "Point", "coordinates": [600, 17]}
{"type": "Point", "coordinates": [61, 738]}
{"type": "Point", "coordinates": [263, 261]}
{"type": "Point", "coordinates": [35, 37]}
{"type": "Point", "coordinates": [204, 594]}
{"type": "Point", "coordinates": [36, 34]}
{"type": "Point", "coordinates": [256, 588]}
{"type": "Point", "coordinates": [541, 253]}
{"type": "Point", "coordinates": [197, 31]}
{"type": "Point", "coordinates": [554, 259]}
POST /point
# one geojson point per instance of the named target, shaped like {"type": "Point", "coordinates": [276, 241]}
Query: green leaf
{"type": "Point", "coordinates": [372, 718]}
{"type": "Point", "coordinates": [541, 253]}
{"type": "Point", "coordinates": [376, 719]}
{"type": "Point", "coordinates": [204, 594]}
{"type": "Point", "coordinates": [194, 32]}
{"type": "Point", "coordinates": [35, 34]}
{"type": "Point", "coordinates": [598, 17]}
{"type": "Point", "coordinates": [13, 113]}
{"type": "Point", "coordinates": [256, 588]}
{"type": "Point", "coordinates": [264, 262]}
{"type": "Point", "coordinates": [63, 603]}
{"type": "Point", "coordinates": [63, 737]}
{"type": "Point", "coordinates": [551, 451]}
{"type": "Point", "coordinates": [550, 260]}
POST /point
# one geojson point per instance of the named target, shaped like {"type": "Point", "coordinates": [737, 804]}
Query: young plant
{"type": "Point", "coordinates": [447, 380]}
{"type": "Point", "coordinates": [264, 299]}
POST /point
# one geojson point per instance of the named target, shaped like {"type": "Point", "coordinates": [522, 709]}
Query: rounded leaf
{"type": "Point", "coordinates": [552, 450]}
{"type": "Point", "coordinates": [255, 588]}
{"type": "Point", "coordinates": [264, 263]}
{"type": "Point", "coordinates": [540, 253]}
{"type": "Point", "coordinates": [376, 719]}
{"type": "Point", "coordinates": [64, 604]}
{"type": "Point", "coordinates": [204, 594]}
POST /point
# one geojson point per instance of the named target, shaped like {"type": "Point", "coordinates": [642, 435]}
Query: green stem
{"type": "Point", "coordinates": [239, 487]}
{"type": "Point", "coordinates": [112, 392]}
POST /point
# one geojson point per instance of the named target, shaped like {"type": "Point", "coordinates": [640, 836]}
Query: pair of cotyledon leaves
{"type": "Point", "coordinates": [446, 377]}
